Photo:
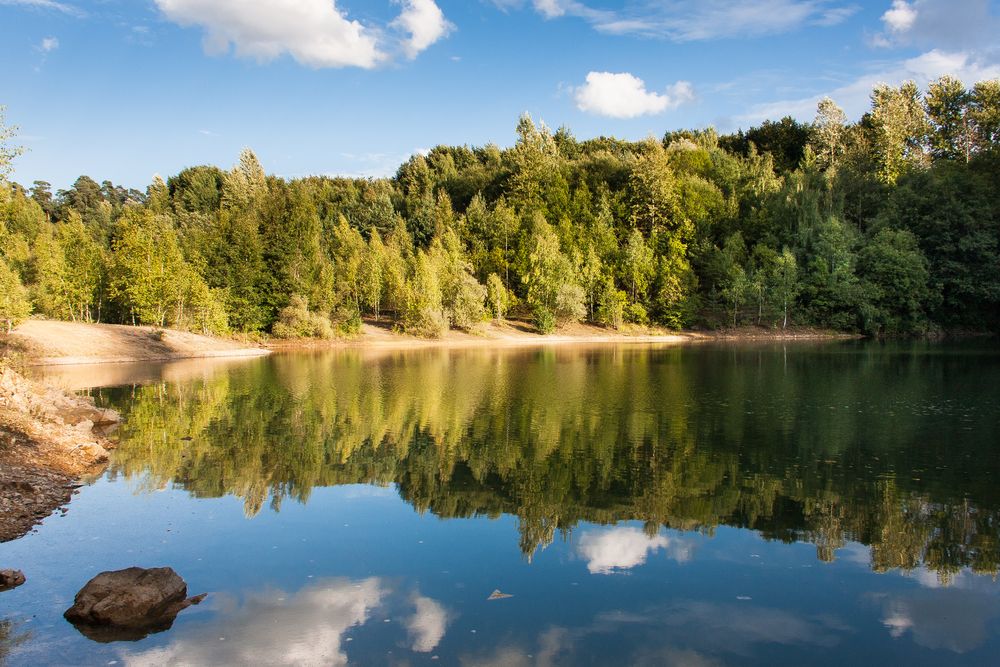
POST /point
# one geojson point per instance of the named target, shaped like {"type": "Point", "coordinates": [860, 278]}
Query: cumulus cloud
{"type": "Point", "coordinates": [427, 626]}
{"type": "Point", "coordinates": [900, 17]}
{"type": "Point", "coordinates": [622, 95]}
{"type": "Point", "coordinates": [623, 548]}
{"type": "Point", "coordinates": [48, 45]}
{"type": "Point", "coordinates": [425, 23]}
{"type": "Point", "coordinates": [315, 33]}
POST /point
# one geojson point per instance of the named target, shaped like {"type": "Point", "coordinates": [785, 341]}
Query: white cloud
{"type": "Point", "coordinates": [942, 24]}
{"type": "Point", "coordinates": [550, 8]}
{"type": "Point", "coordinates": [622, 95]}
{"type": "Point", "coordinates": [854, 97]}
{"type": "Point", "coordinates": [689, 20]}
{"type": "Point", "coordinates": [425, 23]}
{"type": "Point", "coordinates": [46, 4]}
{"type": "Point", "coordinates": [314, 32]}
{"type": "Point", "coordinates": [427, 626]}
{"type": "Point", "coordinates": [900, 17]}
{"type": "Point", "coordinates": [48, 45]}
{"type": "Point", "coordinates": [623, 548]}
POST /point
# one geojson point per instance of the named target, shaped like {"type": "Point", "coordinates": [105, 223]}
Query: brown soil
{"type": "Point", "coordinates": [46, 342]}
{"type": "Point", "coordinates": [48, 440]}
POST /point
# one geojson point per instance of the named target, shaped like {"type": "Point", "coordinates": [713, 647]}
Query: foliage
{"type": "Point", "coordinates": [14, 303]}
{"type": "Point", "coordinates": [889, 225]}
{"type": "Point", "coordinates": [296, 321]}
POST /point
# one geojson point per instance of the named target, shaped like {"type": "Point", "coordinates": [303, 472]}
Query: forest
{"type": "Point", "coordinates": [889, 226]}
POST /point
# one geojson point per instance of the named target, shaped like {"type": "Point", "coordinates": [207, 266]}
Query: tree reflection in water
{"type": "Point", "coordinates": [885, 446]}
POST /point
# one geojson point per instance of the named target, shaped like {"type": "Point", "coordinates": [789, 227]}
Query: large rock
{"type": "Point", "coordinates": [129, 604]}
{"type": "Point", "coordinates": [10, 579]}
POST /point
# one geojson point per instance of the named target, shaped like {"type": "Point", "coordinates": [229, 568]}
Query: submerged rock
{"type": "Point", "coordinates": [10, 579]}
{"type": "Point", "coordinates": [129, 604]}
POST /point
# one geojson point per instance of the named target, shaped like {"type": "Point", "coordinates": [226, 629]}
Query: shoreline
{"type": "Point", "coordinates": [44, 343]}
{"type": "Point", "coordinates": [50, 440]}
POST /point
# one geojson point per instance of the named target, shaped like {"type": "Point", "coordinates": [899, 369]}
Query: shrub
{"type": "Point", "coordinates": [497, 297]}
{"type": "Point", "coordinates": [571, 303]}
{"type": "Point", "coordinates": [468, 310]}
{"type": "Point", "coordinates": [545, 320]}
{"type": "Point", "coordinates": [297, 321]}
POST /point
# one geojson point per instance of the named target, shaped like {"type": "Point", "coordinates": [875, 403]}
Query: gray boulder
{"type": "Point", "coordinates": [129, 604]}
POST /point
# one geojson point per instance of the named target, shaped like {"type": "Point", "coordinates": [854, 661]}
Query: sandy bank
{"type": "Point", "coordinates": [492, 334]}
{"type": "Point", "coordinates": [514, 334]}
{"type": "Point", "coordinates": [50, 343]}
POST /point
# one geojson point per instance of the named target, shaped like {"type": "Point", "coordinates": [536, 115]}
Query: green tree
{"type": "Point", "coordinates": [552, 292]}
{"type": "Point", "coordinates": [828, 138]}
{"type": "Point", "coordinates": [496, 297]}
{"type": "Point", "coordinates": [900, 130]}
{"type": "Point", "coordinates": [653, 198]}
{"type": "Point", "coordinates": [14, 303]}
{"type": "Point", "coordinates": [638, 265]}
{"type": "Point", "coordinates": [947, 103]}
{"type": "Point", "coordinates": [985, 114]}
{"type": "Point", "coordinates": [373, 273]}
{"type": "Point", "coordinates": [785, 283]}
{"type": "Point", "coordinates": [144, 268]}
{"type": "Point", "coordinates": [895, 278]}
{"type": "Point", "coordinates": [8, 151]}
{"type": "Point", "coordinates": [83, 273]}
{"type": "Point", "coordinates": [425, 315]}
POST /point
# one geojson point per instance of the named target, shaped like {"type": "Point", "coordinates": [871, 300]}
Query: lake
{"type": "Point", "coordinates": [771, 504]}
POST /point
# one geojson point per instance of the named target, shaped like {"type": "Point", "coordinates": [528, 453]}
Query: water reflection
{"type": "Point", "coordinates": [427, 625]}
{"type": "Point", "coordinates": [274, 628]}
{"type": "Point", "coordinates": [828, 444]}
{"type": "Point", "coordinates": [686, 632]}
{"type": "Point", "coordinates": [11, 636]}
{"type": "Point", "coordinates": [940, 619]}
{"type": "Point", "coordinates": [619, 549]}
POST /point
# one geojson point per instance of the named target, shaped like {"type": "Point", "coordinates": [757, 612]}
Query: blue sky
{"type": "Point", "coordinates": [124, 89]}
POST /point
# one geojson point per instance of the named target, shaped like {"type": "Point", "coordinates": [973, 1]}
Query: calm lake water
{"type": "Point", "coordinates": [776, 504]}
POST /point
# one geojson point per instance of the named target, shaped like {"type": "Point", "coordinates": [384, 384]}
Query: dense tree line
{"type": "Point", "coordinates": [887, 226]}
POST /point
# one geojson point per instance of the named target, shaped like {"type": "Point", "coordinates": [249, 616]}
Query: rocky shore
{"type": "Point", "coordinates": [49, 440]}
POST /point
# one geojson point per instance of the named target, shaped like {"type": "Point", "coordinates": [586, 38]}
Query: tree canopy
{"type": "Point", "coordinates": [890, 225]}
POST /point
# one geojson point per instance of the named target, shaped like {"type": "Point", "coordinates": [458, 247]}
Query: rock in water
{"type": "Point", "coordinates": [10, 579]}
{"type": "Point", "coordinates": [129, 604]}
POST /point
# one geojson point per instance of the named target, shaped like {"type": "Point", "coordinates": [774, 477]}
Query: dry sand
{"type": "Point", "coordinates": [51, 343]}
{"type": "Point", "coordinates": [46, 342]}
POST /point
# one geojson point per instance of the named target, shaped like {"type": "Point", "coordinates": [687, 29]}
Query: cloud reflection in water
{"type": "Point", "coordinates": [622, 548]}
{"type": "Point", "coordinates": [303, 628]}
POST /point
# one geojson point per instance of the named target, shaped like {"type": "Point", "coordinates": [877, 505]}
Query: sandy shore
{"type": "Point", "coordinates": [52, 343]}
{"type": "Point", "coordinates": [492, 335]}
